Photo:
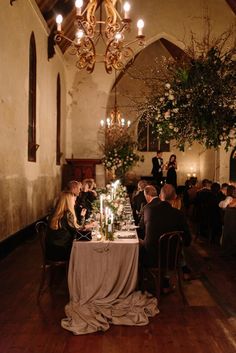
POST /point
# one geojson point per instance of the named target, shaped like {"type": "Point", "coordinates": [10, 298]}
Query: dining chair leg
{"type": "Point", "coordinates": [181, 287]}
{"type": "Point", "coordinates": [159, 287]}
{"type": "Point", "coordinates": [42, 281]}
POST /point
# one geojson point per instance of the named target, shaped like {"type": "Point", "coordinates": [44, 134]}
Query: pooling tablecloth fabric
{"type": "Point", "coordinates": [102, 280]}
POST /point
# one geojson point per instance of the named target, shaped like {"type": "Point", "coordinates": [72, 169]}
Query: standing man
{"type": "Point", "coordinates": [157, 167]}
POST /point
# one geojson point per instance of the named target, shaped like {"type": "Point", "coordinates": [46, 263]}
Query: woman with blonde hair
{"type": "Point", "coordinates": [62, 228]}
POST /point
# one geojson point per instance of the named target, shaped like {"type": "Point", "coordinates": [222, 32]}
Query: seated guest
{"type": "Point", "coordinates": [62, 228]}
{"type": "Point", "coordinates": [177, 203]}
{"type": "Point", "coordinates": [229, 197]}
{"type": "Point", "coordinates": [91, 186]}
{"type": "Point", "coordinates": [139, 201]}
{"type": "Point", "coordinates": [229, 231]}
{"type": "Point", "coordinates": [217, 223]}
{"type": "Point", "coordinates": [75, 187]}
{"type": "Point", "coordinates": [159, 218]}
{"type": "Point", "coordinates": [72, 186]}
{"type": "Point", "coordinates": [86, 198]}
{"type": "Point", "coordinates": [155, 200]}
{"type": "Point", "coordinates": [223, 191]}
{"type": "Point", "coordinates": [205, 208]}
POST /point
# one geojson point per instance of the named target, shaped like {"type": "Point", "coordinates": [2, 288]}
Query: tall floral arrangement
{"type": "Point", "coordinates": [119, 150]}
{"type": "Point", "coordinates": [195, 97]}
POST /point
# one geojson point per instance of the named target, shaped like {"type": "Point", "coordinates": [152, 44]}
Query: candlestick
{"type": "Point", "coordinates": [101, 205]}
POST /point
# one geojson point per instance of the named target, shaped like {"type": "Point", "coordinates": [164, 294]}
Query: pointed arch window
{"type": "Point", "coordinates": [58, 130]}
{"type": "Point", "coordinates": [32, 146]}
{"type": "Point", "coordinates": [147, 138]}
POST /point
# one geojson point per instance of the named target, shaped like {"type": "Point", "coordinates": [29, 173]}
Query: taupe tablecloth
{"type": "Point", "coordinates": [102, 280]}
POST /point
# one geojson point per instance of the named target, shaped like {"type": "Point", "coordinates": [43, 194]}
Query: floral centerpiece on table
{"type": "Point", "coordinates": [112, 198]}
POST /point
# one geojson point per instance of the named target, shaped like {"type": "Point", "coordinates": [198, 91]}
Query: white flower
{"type": "Point", "coordinates": [175, 110]}
{"type": "Point", "coordinates": [171, 97]}
{"type": "Point", "coordinates": [167, 86]}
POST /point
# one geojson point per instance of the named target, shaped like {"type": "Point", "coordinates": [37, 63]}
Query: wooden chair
{"type": "Point", "coordinates": [47, 265]}
{"type": "Point", "coordinates": [169, 253]}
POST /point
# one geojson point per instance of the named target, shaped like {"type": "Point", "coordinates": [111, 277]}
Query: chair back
{"type": "Point", "coordinates": [41, 229]}
{"type": "Point", "coordinates": [169, 250]}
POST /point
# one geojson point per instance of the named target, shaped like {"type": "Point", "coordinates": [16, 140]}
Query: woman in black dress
{"type": "Point", "coordinates": [62, 228]}
{"type": "Point", "coordinates": [171, 177]}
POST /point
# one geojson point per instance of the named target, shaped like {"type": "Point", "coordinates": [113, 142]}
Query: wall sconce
{"type": "Point", "coordinates": [191, 175]}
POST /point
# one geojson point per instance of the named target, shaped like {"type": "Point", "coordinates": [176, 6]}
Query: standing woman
{"type": "Point", "coordinates": [171, 177]}
{"type": "Point", "coordinates": [62, 228]}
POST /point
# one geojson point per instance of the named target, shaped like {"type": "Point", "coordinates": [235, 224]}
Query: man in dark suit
{"type": "Point", "coordinates": [159, 218]}
{"type": "Point", "coordinates": [157, 167]}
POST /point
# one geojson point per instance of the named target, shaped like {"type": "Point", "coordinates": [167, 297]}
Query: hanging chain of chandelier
{"type": "Point", "coordinates": [115, 120]}
{"type": "Point", "coordinates": [111, 31]}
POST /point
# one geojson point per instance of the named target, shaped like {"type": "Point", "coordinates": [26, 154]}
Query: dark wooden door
{"type": "Point", "coordinates": [79, 169]}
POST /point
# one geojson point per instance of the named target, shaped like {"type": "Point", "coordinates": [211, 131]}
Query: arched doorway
{"type": "Point", "coordinates": [232, 164]}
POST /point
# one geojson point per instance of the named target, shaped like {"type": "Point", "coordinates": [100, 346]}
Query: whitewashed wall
{"type": "Point", "coordinates": [26, 188]}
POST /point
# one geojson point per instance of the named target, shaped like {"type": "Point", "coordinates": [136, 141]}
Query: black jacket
{"type": "Point", "coordinates": [157, 164]}
{"type": "Point", "coordinates": [160, 218]}
{"type": "Point", "coordinates": [59, 241]}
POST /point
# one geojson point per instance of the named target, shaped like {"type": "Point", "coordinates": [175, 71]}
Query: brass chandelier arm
{"type": "Point", "coordinates": [91, 10]}
{"type": "Point", "coordinates": [116, 56]}
{"type": "Point", "coordinates": [110, 33]}
{"type": "Point", "coordinates": [86, 53]}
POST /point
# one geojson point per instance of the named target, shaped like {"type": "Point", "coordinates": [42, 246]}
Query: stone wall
{"type": "Point", "coordinates": [27, 189]}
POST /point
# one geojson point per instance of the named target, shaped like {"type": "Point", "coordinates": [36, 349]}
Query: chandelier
{"type": "Point", "coordinates": [115, 121]}
{"type": "Point", "coordinates": [110, 31]}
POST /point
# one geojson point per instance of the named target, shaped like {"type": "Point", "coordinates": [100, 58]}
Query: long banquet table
{"type": "Point", "coordinates": [102, 281]}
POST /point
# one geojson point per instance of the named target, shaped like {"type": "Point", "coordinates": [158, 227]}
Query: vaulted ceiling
{"type": "Point", "coordinates": [50, 8]}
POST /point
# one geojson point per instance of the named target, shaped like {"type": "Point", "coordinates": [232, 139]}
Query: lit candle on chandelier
{"type": "Point", "coordinates": [78, 5]}
{"type": "Point", "coordinates": [108, 122]}
{"type": "Point", "coordinates": [140, 25]}
{"type": "Point", "coordinates": [126, 9]}
{"type": "Point", "coordinates": [59, 20]}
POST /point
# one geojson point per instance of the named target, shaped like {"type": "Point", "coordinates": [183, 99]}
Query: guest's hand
{"type": "Point", "coordinates": [90, 225]}
{"type": "Point", "coordinates": [83, 212]}
{"type": "Point", "coordinates": [141, 242]}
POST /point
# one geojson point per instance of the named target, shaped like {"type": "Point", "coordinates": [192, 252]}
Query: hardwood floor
{"type": "Point", "coordinates": [207, 324]}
